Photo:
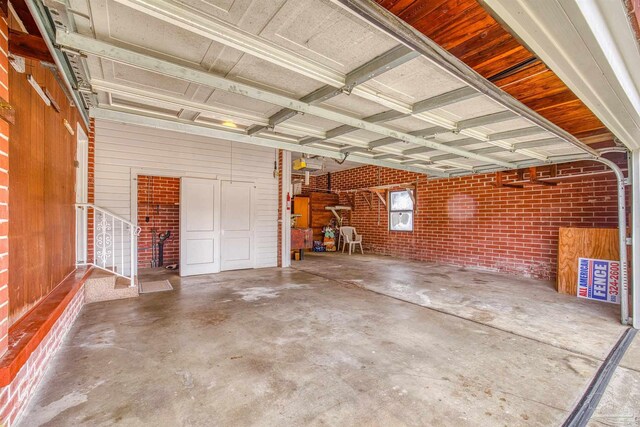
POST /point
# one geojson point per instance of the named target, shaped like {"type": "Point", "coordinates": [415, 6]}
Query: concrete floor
{"type": "Point", "coordinates": [336, 340]}
{"type": "Point", "coordinates": [620, 404]}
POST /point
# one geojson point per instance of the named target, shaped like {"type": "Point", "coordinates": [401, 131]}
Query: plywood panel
{"type": "Point", "coordinates": [301, 207]}
{"type": "Point", "coordinates": [319, 215]}
{"type": "Point", "coordinates": [42, 190]}
{"type": "Point", "coordinates": [574, 243]}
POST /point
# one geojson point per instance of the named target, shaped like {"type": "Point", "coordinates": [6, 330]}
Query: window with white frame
{"type": "Point", "coordinates": [401, 210]}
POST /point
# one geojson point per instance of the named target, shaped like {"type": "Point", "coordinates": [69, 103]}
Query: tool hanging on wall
{"type": "Point", "coordinates": [161, 240]}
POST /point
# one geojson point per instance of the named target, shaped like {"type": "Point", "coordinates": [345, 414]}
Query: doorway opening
{"type": "Point", "coordinates": [159, 221]}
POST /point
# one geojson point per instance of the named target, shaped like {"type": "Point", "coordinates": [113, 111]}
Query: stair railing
{"type": "Point", "coordinates": [110, 240]}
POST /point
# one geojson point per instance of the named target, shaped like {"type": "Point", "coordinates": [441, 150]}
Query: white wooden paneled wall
{"type": "Point", "coordinates": [119, 148]}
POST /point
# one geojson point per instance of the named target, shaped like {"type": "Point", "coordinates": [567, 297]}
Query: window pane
{"type": "Point", "coordinates": [401, 201]}
{"type": "Point", "coordinates": [401, 221]}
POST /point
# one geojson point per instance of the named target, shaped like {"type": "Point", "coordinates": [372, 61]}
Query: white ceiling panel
{"type": "Point", "coordinates": [260, 73]}
{"type": "Point", "coordinates": [354, 106]}
{"type": "Point", "coordinates": [303, 66]}
{"type": "Point", "coordinates": [327, 34]}
{"type": "Point", "coordinates": [507, 125]}
{"type": "Point", "coordinates": [474, 107]}
{"type": "Point", "coordinates": [415, 81]}
{"type": "Point", "coordinates": [220, 99]}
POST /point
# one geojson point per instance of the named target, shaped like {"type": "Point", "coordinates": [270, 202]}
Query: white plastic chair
{"type": "Point", "coordinates": [351, 238]}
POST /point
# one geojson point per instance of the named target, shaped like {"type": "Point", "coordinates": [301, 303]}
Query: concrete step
{"type": "Point", "coordinates": [105, 286]}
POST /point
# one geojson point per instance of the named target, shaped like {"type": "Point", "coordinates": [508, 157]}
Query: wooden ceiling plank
{"type": "Point", "coordinates": [22, 10]}
{"type": "Point", "coordinates": [470, 33]}
{"type": "Point", "coordinates": [29, 46]}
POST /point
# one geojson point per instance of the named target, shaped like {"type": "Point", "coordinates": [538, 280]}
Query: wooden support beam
{"type": "Point", "coordinates": [368, 199]}
{"type": "Point", "coordinates": [22, 10]}
{"type": "Point", "coordinates": [382, 199]}
{"type": "Point", "coordinates": [412, 192]}
{"type": "Point", "coordinates": [4, 8]}
{"type": "Point", "coordinates": [29, 46]}
{"type": "Point", "coordinates": [499, 182]}
{"type": "Point", "coordinates": [7, 112]}
{"type": "Point", "coordinates": [351, 197]}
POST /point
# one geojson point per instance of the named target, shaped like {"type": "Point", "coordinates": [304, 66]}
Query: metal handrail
{"type": "Point", "coordinates": [116, 216]}
{"type": "Point", "coordinates": [109, 235]}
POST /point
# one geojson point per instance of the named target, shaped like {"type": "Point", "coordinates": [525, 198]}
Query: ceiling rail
{"type": "Point", "coordinates": [115, 53]}
{"type": "Point", "coordinates": [379, 17]}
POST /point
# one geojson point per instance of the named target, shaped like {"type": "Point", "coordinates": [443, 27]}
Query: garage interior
{"type": "Point", "coordinates": [391, 212]}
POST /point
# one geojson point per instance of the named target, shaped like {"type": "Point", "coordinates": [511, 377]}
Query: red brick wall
{"type": "Point", "coordinates": [468, 222]}
{"type": "Point", "coordinates": [91, 186]}
{"type": "Point", "coordinates": [280, 183]}
{"type": "Point", "coordinates": [158, 199]}
{"type": "Point", "coordinates": [15, 396]}
{"type": "Point", "coordinates": [4, 191]}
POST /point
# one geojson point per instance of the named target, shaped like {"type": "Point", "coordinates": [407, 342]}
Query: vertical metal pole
{"type": "Point", "coordinates": [285, 170]}
{"type": "Point", "coordinates": [122, 246]}
{"type": "Point", "coordinates": [77, 239]}
{"type": "Point", "coordinates": [132, 239]}
{"type": "Point", "coordinates": [622, 236]}
{"type": "Point", "coordinates": [113, 243]}
{"type": "Point", "coordinates": [95, 224]}
{"type": "Point", "coordinates": [634, 165]}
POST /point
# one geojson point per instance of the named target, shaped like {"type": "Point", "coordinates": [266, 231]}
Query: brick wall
{"type": "Point", "coordinates": [15, 396]}
{"type": "Point", "coordinates": [4, 191]}
{"type": "Point", "coordinates": [158, 200]}
{"type": "Point", "coordinates": [280, 183]}
{"type": "Point", "coordinates": [466, 221]}
{"type": "Point", "coordinates": [91, 185]}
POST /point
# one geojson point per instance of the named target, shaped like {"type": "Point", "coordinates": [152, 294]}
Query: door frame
{"type": "Point", "coordinates": [252, 219]}
{"type": "Point", "coordinates": [82, 194]}
{"type": "Point", "coordinates": [170, 173]}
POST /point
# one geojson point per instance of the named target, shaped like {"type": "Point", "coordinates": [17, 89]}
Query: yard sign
{"type": "Point", "coordinates": [599, 280]}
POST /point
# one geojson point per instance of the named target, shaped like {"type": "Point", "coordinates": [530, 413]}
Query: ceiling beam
{"type": "Point", "coordinates": [378, 17]}
{"type": "Point", "coordinates": [516, 133]}
{"type": "Point", "coordinates": [377, 66]}
{"type": "Point", "coordinates": [486, 150]}
{"type": "Point", "coordinates": [29, 46]}
{"type": "Point", "coordinates": [456, 143]}
{"type": "Point", "coordinates": [177, 125]}
{"type": "Point", "coordinates": [535, 144]}
{"type": "Point", "coordinates": [445, 99]}
{"type": "Point", "coordinates": [111, 52]}
{"type": "Point", "coordinates": [25, 17]}
{"type": "Point", "coordinates": [428, 133]}
{"type": "Point", "coordinates": [437, 101]}
{"type": "Point", "coordinates": [386, 156]}
{"type": "Point", "coordinates": [230, 35]}
{"type": "Point", "coordinates": [486, 120]}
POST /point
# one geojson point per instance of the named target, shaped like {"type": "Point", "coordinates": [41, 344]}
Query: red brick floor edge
{"type": "Point", "coordinates": [33, 341]}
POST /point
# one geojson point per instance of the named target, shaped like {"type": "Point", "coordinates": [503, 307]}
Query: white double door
{"type": "Point", "coordinates": [216, 226]}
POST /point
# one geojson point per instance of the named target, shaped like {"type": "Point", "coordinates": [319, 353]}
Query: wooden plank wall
{"type": "Point", "coordinates": [319, 215]}
{"type": "Point", "coordinates": [42, 190]}
{"type": "Point", "coordinates": [574, 243]}
{"type": "Point", "coordinates": [469, 32]}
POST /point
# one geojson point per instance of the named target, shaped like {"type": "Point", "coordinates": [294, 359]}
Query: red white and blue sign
{"type": "Point", "coordinates": [599, 280]}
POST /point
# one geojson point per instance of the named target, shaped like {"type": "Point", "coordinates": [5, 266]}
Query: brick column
{"type": "Point", "coordinates": [91, 160]}
{"type": "Point", "coordinates": [4, 191]}
{"type": "Point", "coordinates": [280, 201]}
